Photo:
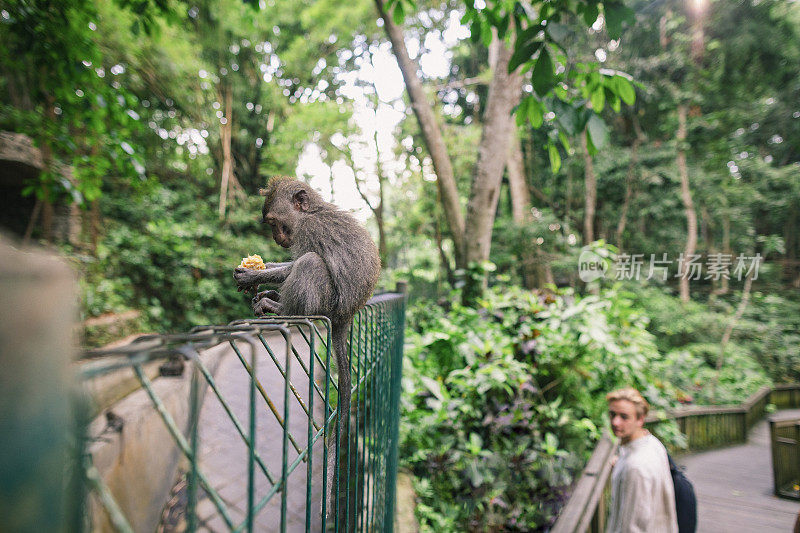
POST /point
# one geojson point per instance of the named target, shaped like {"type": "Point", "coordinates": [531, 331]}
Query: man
{"type": "Point", "coordinates": [642, 493]}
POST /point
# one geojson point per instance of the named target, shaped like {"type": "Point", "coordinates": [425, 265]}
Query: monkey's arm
{"type": "Point", "coordinates": [249, 278]}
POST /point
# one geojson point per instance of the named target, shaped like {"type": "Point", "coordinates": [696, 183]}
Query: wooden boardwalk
{"type": "Point", "coordinates": [734, 488]}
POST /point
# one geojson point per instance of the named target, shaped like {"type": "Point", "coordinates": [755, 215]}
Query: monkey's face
{"type": "Point", "coordinates": [283, 208]}
{"type": "Point", "coordinates": [281, 232]}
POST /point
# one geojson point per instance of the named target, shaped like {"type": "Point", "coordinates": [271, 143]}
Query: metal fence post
{"type": "Point", "coordinates": [37, 312]}
{"type": "Point", "coordinates": [394, 431]}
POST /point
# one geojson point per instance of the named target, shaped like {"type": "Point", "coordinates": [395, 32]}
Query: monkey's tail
{"type": "Point", "coordinates": [339, 334]}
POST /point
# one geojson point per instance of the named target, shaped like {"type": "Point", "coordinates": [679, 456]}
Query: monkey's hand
{"type": "Point", "coordinates": [266, 305]}
{"type": "Point", "coordinates": [247, 278]}
{"type": "Point", "coordinates": [272, 295]}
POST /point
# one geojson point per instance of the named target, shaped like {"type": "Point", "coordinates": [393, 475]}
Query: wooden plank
{"type": "Point", "coordinates": [577, 513]}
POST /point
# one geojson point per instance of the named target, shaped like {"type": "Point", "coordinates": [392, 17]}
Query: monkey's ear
{"type": "Point", "coordinates": [262, 191]}
{"type": "Point", "coordinates": [300, 200]}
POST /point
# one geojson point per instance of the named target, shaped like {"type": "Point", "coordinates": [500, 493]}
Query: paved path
{"type": "Point", "coordinates": [734, 488]}
{"type": "Point", "coordinates": [223, 453]}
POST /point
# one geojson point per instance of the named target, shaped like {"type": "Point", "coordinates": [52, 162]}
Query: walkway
{"type": "Point", "coordinates": [223, 454]}
{"type": "Point", "coordinates": [734, 488]}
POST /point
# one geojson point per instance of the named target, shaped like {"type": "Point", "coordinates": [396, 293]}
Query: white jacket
{"type": "Point", "coordinates": [642, 493]}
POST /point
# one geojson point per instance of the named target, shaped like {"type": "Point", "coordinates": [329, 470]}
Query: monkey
{"type": "Point", "coordinates": [333, 272]}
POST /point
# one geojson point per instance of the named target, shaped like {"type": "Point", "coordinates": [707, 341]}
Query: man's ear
{"type": "Point", "coordinates": [300, 200]}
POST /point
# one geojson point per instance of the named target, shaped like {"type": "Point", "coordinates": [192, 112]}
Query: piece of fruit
{"type": "Point", "coordinates": [253, 261]}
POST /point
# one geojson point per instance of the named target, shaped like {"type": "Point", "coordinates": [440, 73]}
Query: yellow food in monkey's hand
{"type": "Point", "coordinates": [253, 261]}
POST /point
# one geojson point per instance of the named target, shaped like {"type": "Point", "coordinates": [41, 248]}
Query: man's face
{"type": "Point", "coordinates": [624, 422]}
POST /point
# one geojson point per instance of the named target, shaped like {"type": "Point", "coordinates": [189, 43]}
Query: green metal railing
{"type": "Point", "coordinates": [278, 398]}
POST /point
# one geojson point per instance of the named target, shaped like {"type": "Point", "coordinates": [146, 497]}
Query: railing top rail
{"type": "Point", "coordinates": [385, 297]}
{"type": "Point", "coordinates": [163, 345]}
{"type": "Point", "coordinates": [578, 512]}
{"type": "Point", "coordinates": [757, 396]}
{"type": "Point", "coordinates": [786, 386]}
{"type": "Point", "coordinates": [784, 420]}
{"type": "Point", "coordinates": [701, 410]}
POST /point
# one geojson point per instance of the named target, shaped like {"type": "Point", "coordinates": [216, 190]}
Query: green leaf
{"type": "Point", "coordinates": [522, 54]}
{"type": "Point", "coordinates": [433, 386]}
{"type": "Point", "coordinates": [567, 117]}
{"type": "Point", "coordinates": [535, 112]}
{"type": "Point", "coordinates": [564, 141]}
{"type": "Point", "coordinates": [555, 158]}
{"type": "Point", "coordinates": [522, 111]}
{"type": "Point", "coordinates": [598, 99]}
{"type": "Point", "coordinates": [590, 147]}
{"type": "Point", "coordinates": [486, 33]}
{"type": "Point", "coordinates": [616, 14]}
{"type": "Point", "coordinates": [590, 14]}
{"type": "Point", "coordinates": [399, 13]}
{"type": "Point", "coordinates": [598, 131]}
{"type": "Point", "coordinates": [557, 32]}
{"type": "Point", "coordinates": [502, 27]}
{"type": "Point", "coordinates": [543, 75]}
{"type": "Point", "coordinates": [475, 31]}
{"type": "Point", "coordinates": [624, 89]}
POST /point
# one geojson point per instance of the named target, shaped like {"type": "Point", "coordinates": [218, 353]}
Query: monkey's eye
{"type": "Point", "coordinates": [269, 219]}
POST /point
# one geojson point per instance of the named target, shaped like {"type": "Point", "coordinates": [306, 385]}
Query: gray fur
{"type": "Point", "coordinates": [334, 270]}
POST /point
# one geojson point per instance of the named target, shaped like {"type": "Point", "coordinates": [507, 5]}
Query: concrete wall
{"type": "Point", "coordinates": [140, 463]}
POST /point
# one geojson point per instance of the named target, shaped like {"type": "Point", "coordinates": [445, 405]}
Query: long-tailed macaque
{"type": "Point", "coordinates": [334, 269]}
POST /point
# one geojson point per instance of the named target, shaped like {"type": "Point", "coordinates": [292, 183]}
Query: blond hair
{"type": "Point", "coordinates": [632, 395]}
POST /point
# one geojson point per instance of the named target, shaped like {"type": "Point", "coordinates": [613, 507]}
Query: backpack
{"type": "Point", "coordinates": [685, 499]}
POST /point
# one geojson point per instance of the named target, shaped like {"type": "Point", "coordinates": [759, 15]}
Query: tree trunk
{"type": "Point", "coordinates": [227, 159]}
{"type": "Point", "coordinates": [74, 233]}
{"type": "Point", "coordinates": [521, 207]}
{"type": "Point", "coordinates": [520, 195]}
{"type": "Point", "coordinates": [623, 218]}
{"type": "Point", "coordinates": [706, 230]}
{"type": "Point", "coordinates": [432, 135]}
{"type": "Point", "coordinates": [94, 225]}
{"type": "Point", "coordinates": [37, 209]}
{"type": "Point", "coordinates": [443, 259]}
{"type": "Point", "coordinates": [688, 204]}
{"type": "Point", "coordinates": [504, 93]}
{"type": "Point", "coordinates": [790, 242]}
{"type": "Point", "coordinates": [726, 249]}
{"type": "Point", "coordinates": [378, 211]}
{"type": "Point", "coordinates": [726, 336]}
{"type": "Point", "coordinates": [590, 181]}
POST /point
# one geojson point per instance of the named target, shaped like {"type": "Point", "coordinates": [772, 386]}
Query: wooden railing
{"type": "Point", "coordinates": [784, 436]}
{"type": "Point", "coordinates": [587, 506]}
{"type": "Point", "coordinates": [704, 427]}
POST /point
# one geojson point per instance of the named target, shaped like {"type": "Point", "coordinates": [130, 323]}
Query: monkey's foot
{"type": "Point", "coordinates": [266, 305]}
